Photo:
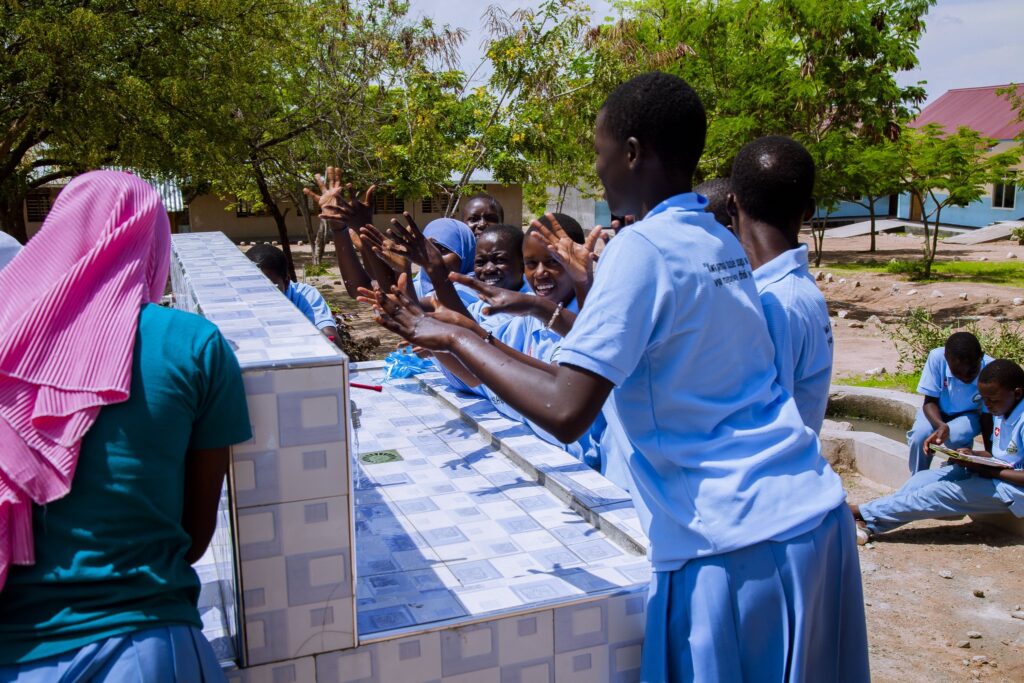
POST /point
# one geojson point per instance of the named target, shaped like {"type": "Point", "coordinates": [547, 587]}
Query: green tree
{"type": "Point", "coordinates": [943, 170]}
{"type": "Point", "coordinates": [873, 170]}
{"type": "Point", "coordinates": [84, 84]}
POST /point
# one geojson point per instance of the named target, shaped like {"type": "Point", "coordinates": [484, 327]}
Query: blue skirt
{"type": "Point", "coordinates": [165, 654]}
{"type": "Point", "coordinates": [775, 611]}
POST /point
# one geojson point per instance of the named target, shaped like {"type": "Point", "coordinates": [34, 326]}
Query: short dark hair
{"type": "Point", "coordinates": [963, 346]}
{"type": "Point", "coordinates": [773, 179]}
{"type": "Point", "coordinates": [498, 208]}
{"type": "Point", "coordinates": [717, 191]}
{"type": "Point", "coordinates": [664, 114]}
{"type": "Point", "coordinates": [505, 231]}
{"type": "Point", "coordinates": [571, 226]}
{"type": "Point", "coordinates": [269, 258]}
{"type": "Point", "coordinates": [1005, 373]}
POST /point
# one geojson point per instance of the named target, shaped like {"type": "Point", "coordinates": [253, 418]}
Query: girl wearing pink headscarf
{"type": "Point", "coordinates": [115, 418]}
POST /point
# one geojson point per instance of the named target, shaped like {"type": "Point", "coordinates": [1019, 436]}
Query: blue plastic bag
{"type": "Point", "coordinates": [404, 363]}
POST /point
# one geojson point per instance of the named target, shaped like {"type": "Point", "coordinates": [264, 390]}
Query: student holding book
{"type": "Point", "coordinates": [756, 575]}
{"type": "Point", "coordinates": [961, 486]}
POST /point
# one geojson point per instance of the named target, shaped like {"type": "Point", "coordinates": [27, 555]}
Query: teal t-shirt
{"type": "Point", "coordinates": [110, 556]}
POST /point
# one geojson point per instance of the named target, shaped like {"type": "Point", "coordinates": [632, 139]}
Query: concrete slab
{"type": "Point", "coordinates": [991, 233]}
{"type": "Point", "coordinates": [864, 228]}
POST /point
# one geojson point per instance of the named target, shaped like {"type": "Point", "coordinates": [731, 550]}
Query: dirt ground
{"type": "Point", "coordinates": [918, 621]}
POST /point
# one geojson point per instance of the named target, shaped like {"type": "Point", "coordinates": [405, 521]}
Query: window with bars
{"type": "Point", "coordinates": [37, 205]}
{"type": "Point", "coordinates": [1004, 195]}
{"type": "Point", "coordinates": [386, 202]}
{"type": "Point", "coordinates": [244, 209]}
{"type": "Point", "coordinates": [436, 204]}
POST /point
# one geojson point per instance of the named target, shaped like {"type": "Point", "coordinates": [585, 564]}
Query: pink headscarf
{"type": "Point", "coordinates": [69, 310]}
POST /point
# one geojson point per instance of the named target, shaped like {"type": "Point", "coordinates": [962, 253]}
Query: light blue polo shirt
{"type": "Point", "coordinates": [798, 323]}
{"type": "Point", "coordinates": [1008, 437]}
{"type": "Point", "coordinates": [954, 396]}
{"type": "Point", "coordinates": [496, 322]}
{"type": "Point", "coordinates": [719, 457]}
{"type": "Point", "coordinates": [311, 303]}
{"type": "Point", "coordinates": [527, 334]}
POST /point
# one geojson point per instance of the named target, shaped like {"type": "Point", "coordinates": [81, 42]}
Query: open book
{"type": "Point", "coordinates": [964, 457]}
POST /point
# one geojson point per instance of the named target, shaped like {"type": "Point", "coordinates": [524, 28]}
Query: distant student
{"type": "Point", "coordinates": [716, 191]}
{"type": "Point", "coordinates": [756, 574]}
{"type": "Point", "coordinates": [310, 302]}
{"type": "Point", "coordinates": [964, 488]}
{"type": "Point", "coordinates": [953, 413]}
{"type": "Point", "coordinates": [771, 196]}
{"type": "Point", "coordinates": [480, 210]}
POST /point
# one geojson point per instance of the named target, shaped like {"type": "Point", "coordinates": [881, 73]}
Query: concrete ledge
{"type": "Point", "coordinates": [886, 405]}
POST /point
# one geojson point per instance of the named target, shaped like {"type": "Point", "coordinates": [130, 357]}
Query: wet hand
{"type": "Point", "coordinates": [398, 313]}
{"type": "Point", "coordinates": [577, 259]}
{"type": "Point", "coordinates": [353, 211]}
{"type": "Point", "coordinates": [416, 246]}
{"type": "Point", "coordinates": [328, 197]}
{"type": "Point", "coordinates": [498, 300]}
{"type": "Point", "coordinates": [386, 249]}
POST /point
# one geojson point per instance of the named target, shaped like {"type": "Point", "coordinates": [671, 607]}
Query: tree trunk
{"type": "Point", "coordinates": [12, 216]}
{"type": "Point", "coordinates": [321, 241]}
{"type": "Point", "coordinates": [299, 200]}
{"type": "Point", "coordinates": [871, 212]}
{"type": "Point", "coordinates": [563, 189]}
{"type": "Point", "coordinates": [275, 211]}
{"type": "Point", "coordinates": [818, 236]}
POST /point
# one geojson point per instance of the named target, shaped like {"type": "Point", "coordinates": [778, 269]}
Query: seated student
{"type": "Point", "coordinates": [480, 210]}
{"type": "Point", "coordinates": [952, 413]}
{"type": "Point", "coordinates": [756, 574]}
{"type": "Point", "coordinates": [964, 488]}
{"type": "Point", "coordinates": [116, 459]}
{"type": "Point", "coordinates": [716, 191]}
{"type": "Point", "coordinates": [310, 302]}
{"type": "Point", "coordinates": [772, 195]}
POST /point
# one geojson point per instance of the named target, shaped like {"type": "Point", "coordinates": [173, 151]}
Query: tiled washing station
{"type": "Point", "coordinates": [406, 536]}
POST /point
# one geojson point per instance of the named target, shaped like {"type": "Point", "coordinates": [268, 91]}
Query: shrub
{"type": "Point", "coordinates": [315, 269]}
{"type": "Point", "coordinates": [917, 334]}
{"type": "Point", "coordinates": [1018, 234]}
{"type": "Point", "coordinates": [914, 270]}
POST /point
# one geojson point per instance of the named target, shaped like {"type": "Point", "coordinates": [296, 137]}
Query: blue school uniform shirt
{"type": "Point", "coordinates": [311, 303]}
{"type": "Point", "coordinates": [798, 323]}
{"type": "Point", "coordinates": [718, 455]}
{"type": "Point", "coordinates": [496, 322]}
{"type": "Point", "coordinates": [954, 396]}
{"type": "Point", "coordinates": [1008, 445]}
{"type": "Point", "coordinates": [110, 555]}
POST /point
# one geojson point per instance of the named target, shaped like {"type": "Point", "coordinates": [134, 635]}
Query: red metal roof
{"type": "Point", "coordinates": [978, 108]}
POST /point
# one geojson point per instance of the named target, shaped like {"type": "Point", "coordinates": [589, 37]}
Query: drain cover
{"type": "Point", "coordinates": [378, 457]}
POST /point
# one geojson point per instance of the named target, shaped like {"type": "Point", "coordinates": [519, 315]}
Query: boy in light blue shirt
{"type": "Point", "coordinates": [964, 488]}
{"type": "Point", "coordinates": [953, 412]}
{"type": "Point", "coordinates": [772, 195]}
{"type": "Point", "coordinates": [272, 263]}
{"type": "Point", "coordinates": [756, 571]}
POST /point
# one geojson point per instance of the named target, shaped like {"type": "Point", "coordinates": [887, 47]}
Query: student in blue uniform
{"type": "Point", "coordinates": [756, 570]}
{"type": "Point", "coordinates": [480, 210]}
{"type": "Point", "coordinates": [271, 261]}
{"type": "Point", "coordinates": [964, 488]}
{"type": "Point", "coordinates": [952, 413]}
{"type": "Point", "coordinates": [498, 263]}
{"type": "Point", "coordinates": [772, 195]}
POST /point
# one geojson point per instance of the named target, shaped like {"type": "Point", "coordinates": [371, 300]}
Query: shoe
{"type": "Point", "coordinates": [863, 535]}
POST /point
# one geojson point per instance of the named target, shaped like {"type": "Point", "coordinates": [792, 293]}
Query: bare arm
{"type": "Point", "coordinates": [562, 400]}
{"type": "Point", "coordinates": [986, 430]}
{"type": "Point", "coordinates": [934, 415]}
{"type": "Point", "coordinates": [204, 478]}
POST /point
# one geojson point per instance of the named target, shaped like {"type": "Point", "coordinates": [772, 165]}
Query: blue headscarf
{"type": "Point", "coordinates": [455, 236]}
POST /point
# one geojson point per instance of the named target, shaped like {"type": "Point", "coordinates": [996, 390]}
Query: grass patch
{"type": "Point", "coordinates": [901, 381]}
{"type": "Point", "coordinates": [1010, 273]}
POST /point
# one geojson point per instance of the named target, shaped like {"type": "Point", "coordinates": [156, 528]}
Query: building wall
{"type": "Point", "coordinates": [209, 213]}
{"type": "Point", "coordinates": [854, 210]}
{"type": "Point", "coordinates": [976, 215]}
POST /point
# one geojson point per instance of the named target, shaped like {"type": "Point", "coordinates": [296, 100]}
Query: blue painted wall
{"type": "Point", "coordinates": [976, 215]}
{"type": "Point", "coordinates": [852, 210]}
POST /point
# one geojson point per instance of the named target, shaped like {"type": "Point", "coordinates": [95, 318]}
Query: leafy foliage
{"type": "Point", "coordinates": [916, 334]}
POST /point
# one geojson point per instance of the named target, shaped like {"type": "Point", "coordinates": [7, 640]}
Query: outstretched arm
{"type": "Point", "coordinates": [562, 400]}
{"type": "Point", "coordinates": [339, 215]}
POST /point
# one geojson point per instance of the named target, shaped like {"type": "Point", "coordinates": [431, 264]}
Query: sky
{"type": "Point", "coordinates": [967, 43]}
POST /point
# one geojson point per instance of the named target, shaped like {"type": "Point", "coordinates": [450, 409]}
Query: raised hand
{"type": "Point", "coordinates": [417, 248]}
{"type": "Point", "coordinates": [355, 212]}
{"type": "Point", "coordinates": [330, 190]}
{"type": "Point", "coordinates": [386, 249]}
{"type": "Point", "coordinates": [403, 316]}
{"type": "Point", "coordinates": [447, 315]}
{"type": "Point", "coordinates": [577, 259]}
{"type": "Point", "coordinates": [498, 300]}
